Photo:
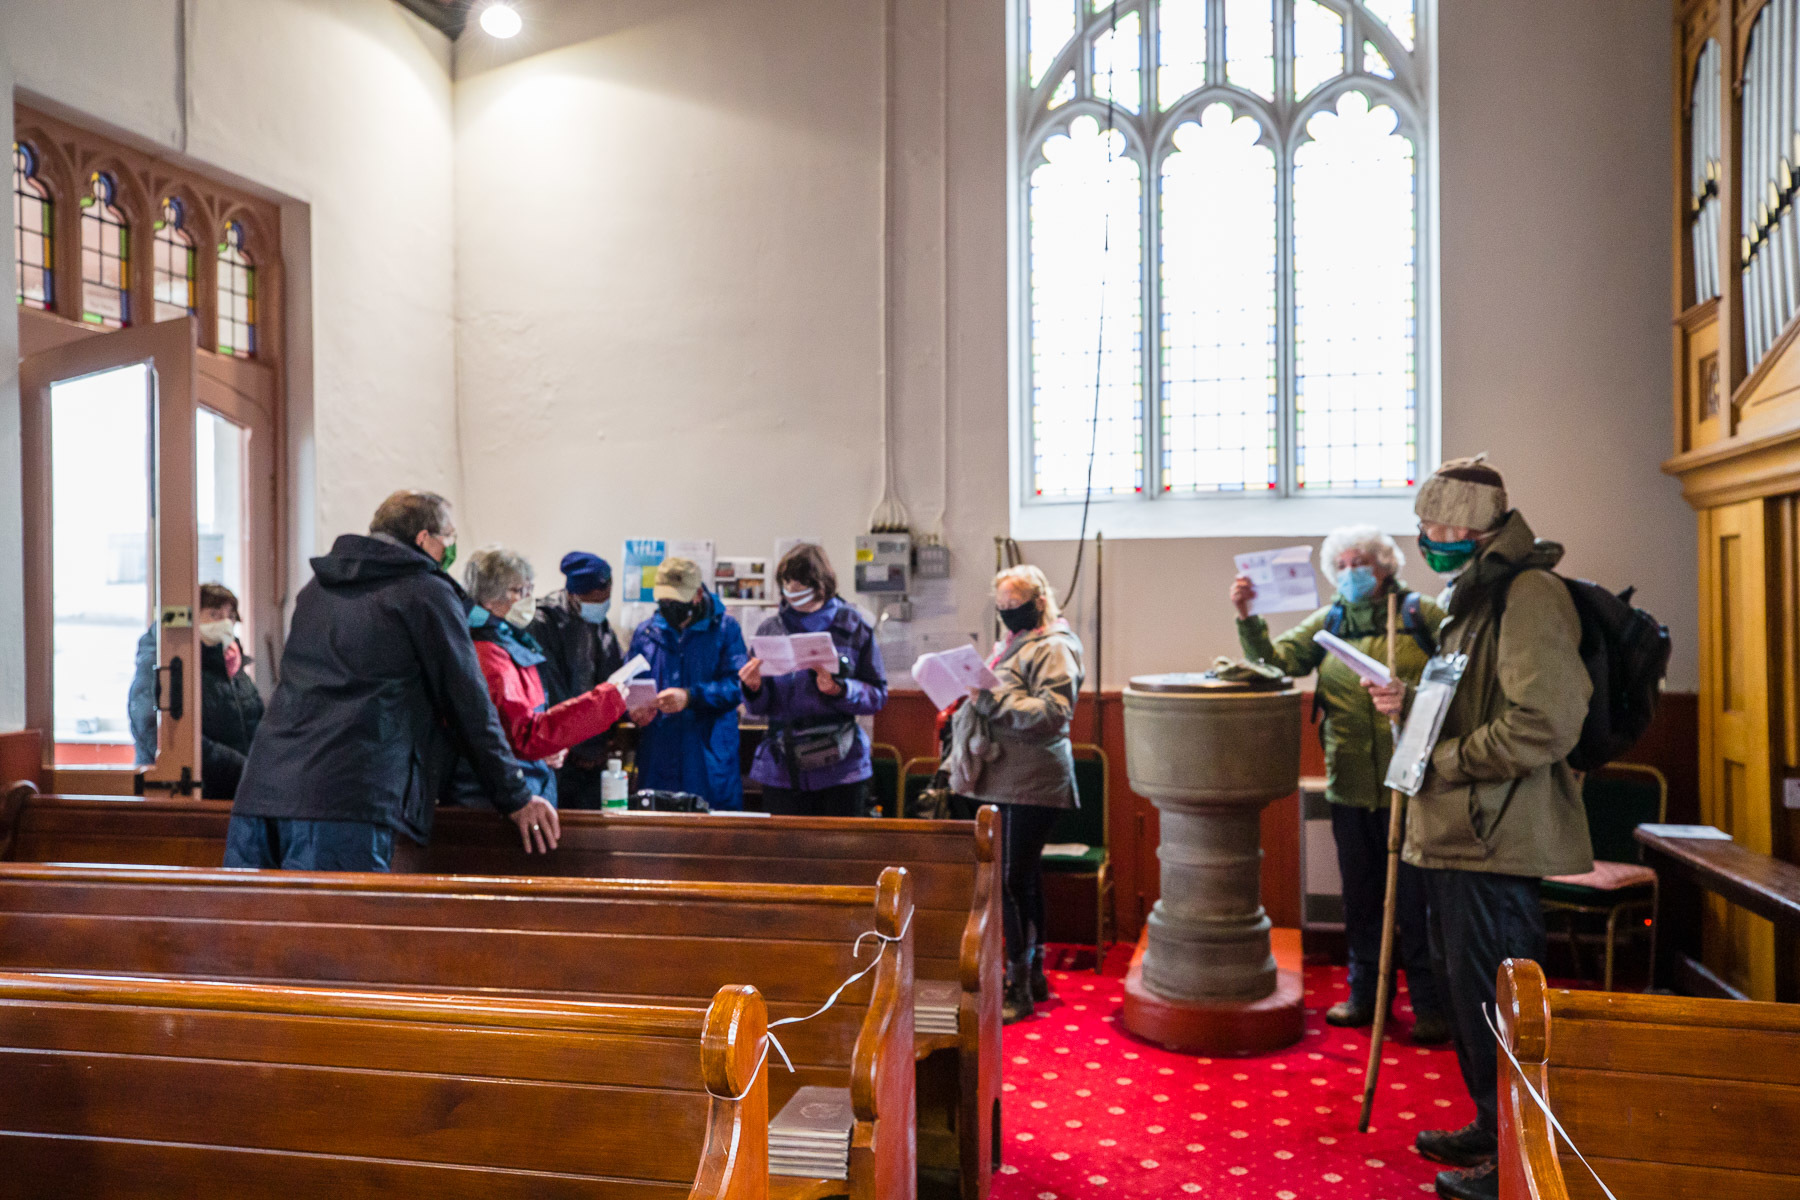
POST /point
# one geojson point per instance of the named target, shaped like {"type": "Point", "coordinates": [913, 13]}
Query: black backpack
{"type": "Point", "coordinates": [1626, 653]}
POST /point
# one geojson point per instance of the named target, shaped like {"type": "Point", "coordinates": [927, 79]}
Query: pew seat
{"type": "Point", "coordinates": [954, 868]}
{"type": "Point", "coordinates": [1670, 1098]}
{"type": "Point", "coordinates": [148, 1089]}
{"type": "Point", "coordinates": [632, 942]}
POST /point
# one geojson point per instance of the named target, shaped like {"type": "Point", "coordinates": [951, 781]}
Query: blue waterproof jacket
{"type": "Point", "coordinates": [695, 750]}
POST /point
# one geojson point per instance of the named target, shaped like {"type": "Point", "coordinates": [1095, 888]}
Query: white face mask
{"type": "Point", "coordinates": [798, 597]}
{"type": "Point", "coordinates": [216, 633]}
{"type": "Point", "coordinates": [521, 613]}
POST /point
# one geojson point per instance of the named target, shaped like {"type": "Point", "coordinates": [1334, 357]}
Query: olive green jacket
{"type": "Point", "coordinates": [1358, 743]}
{"type": "Point", "coordinates": [1499, 796]}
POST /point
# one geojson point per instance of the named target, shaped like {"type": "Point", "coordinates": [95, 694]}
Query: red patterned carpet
{"type": "Point", "coordinates": [1090, 1111]}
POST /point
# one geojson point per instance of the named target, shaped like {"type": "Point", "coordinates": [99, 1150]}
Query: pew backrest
{"type": "Point", "coordinates": [142, 1088]}
{"type": "Point", "coordinates": [1668, 1097]}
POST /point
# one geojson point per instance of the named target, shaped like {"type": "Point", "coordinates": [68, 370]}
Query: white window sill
{"type": "Point", "coordinates": [1212, 516]}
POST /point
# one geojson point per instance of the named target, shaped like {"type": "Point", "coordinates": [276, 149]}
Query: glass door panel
{"type": "Point", "coordinates": [102, 555]}
{"type": "Point", "coordinates": [221, 507]}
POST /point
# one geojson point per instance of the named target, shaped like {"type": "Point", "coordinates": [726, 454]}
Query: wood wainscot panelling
{"type": "Point", "coordinates": [21, 758]}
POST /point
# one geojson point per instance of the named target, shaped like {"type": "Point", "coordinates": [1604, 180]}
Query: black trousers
{"type": "Point", "coordinates": [1477, 920]}
{"type": "Point", "coordinates": [844, 800]}
{"type": "Point", "coordinates": [1361, 836]}
{"type": "Point", "coordinates": [1024, 828]}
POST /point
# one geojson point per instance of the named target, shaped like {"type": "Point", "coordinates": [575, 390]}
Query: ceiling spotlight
{"type": "Point", "coordinates": [501, 20]}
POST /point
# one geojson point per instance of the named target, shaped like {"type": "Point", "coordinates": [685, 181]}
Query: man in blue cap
{"type": "Point", "coordinates": [581, 650]}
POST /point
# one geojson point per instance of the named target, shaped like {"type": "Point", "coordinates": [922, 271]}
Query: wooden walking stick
{"type": "Point", "coordinates": [1396, 824]}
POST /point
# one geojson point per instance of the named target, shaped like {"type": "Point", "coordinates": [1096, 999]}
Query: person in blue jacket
{"type": "Point", "coordinates": [689, 741]}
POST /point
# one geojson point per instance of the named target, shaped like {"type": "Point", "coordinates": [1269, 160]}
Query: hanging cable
{"type": "Point", "coordinates": [1087, 498]}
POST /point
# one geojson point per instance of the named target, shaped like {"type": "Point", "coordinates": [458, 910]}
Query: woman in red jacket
{"type": "Point", "coordinates": [499, 582]}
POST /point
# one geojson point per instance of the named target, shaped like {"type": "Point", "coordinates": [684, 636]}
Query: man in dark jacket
{"type": "Point", "coordinates": [379, 689]}
{"type": "Point", "coordinates": [230, 706]}
{"type": "Point", "coordinates": [581, 651]}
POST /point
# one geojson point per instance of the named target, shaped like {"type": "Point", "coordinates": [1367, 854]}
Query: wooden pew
{"type": "Point", "coordinates": [156, 1090]}
{"type": "Point", "coordinates": [1669, 1098]}
{"type": "Point", "coordinates": [1689, 867]}
{"type": "Point", "coordinates": [642, 942]}
{"type": "Point", "coordinates": [955, 873]}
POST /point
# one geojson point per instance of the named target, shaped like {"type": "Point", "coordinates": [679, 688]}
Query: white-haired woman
{"type": "Point", "coordinates": [499, 583]}
{"type": "Point", "coordinates": [1010, 746]}
{"type": "Point", "coordinates": [1363, 564]}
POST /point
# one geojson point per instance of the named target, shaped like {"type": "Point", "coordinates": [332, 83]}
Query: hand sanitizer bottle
{"type": "Point", "coordinates": [615, 785]}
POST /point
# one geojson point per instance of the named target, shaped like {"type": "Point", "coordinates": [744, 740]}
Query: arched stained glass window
{"type": "Point", "coordinates": [105, 256]}
{"type": "Point", "coordinates": [237, 295]}
{"type": "Point", "coordinates": [1265, 159]}
{"type": "Point", "coordinates": [175, 295]}
{"type": "Point", "coordinates": [33, 231]}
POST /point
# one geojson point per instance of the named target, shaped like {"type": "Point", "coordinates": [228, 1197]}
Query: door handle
{"type": "Point", "coordinates": [177, 696]}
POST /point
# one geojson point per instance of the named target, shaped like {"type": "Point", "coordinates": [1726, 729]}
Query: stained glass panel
{"type": "Point", "coordinates": [1250, 46]}
{"type": "Point", "coordinates": [1397, 15]}
{"type": "Point", "coordinates": [1318, 46]}
{"type": "Point", "coordinates": [105, 256]}
{"type": "Point", "coordinates": [237, 296]}
{"type": "Point", "coordinates": [1049, 26]}
{"type": "Point", "coordinates": [1180, 49]}
{"type": "Point", "coordinates": [1218, 307]}
{"type": "Point", "coordinates": [1086, 274]}
{"type": "Point", "coordinates": [1117, 62]}
{"type": "Point", "coordinates": [1374, 62]}
{"type": "Point", "coordinates": [1356, 319]}
{"type": "Point", "coordinates": [174, 263]}
{"type": "Point", "coordinates": [33, 227]}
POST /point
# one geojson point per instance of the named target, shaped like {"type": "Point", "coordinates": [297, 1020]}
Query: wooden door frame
{"type": "Point", "coordinates": [169, 349]}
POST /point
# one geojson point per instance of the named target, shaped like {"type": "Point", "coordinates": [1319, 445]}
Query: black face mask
{"type": "Point", "coordinates": [1021, 617]}
{"type": "Point", "coordinates": [674, 612]}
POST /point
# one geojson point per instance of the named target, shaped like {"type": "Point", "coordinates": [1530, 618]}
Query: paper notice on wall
{"type": "Point", "coordinates": [801, 652]}
{"type": "Point", "coordinates": [700, 553]}
{"type": "Point", "coordinates": [1284, 580]}
{"type": "Point", "coordinates": [637, 574]}
{"type": "Point", "coordinates": [946, 677]}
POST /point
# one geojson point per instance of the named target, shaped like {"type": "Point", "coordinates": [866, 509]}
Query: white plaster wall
{"type": "Point", "coordinates": [704, 361]}
{"type": "Point", "coordinates": [341, 108]}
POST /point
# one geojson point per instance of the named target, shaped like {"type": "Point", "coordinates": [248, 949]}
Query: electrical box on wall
{"type": "Point", "coordinates": [884, 564]}
{"type": "Point", "coordinates": [932, 562]}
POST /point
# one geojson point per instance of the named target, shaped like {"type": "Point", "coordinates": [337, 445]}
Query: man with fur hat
{"type": "Point", "coordinates": [1500, 808]}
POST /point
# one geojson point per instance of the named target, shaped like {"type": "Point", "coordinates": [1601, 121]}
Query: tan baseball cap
{"type": "Point", "coordinates": [677, 579]}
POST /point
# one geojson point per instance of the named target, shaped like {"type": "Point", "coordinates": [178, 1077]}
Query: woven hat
{"type": "Point", "coordinates": [1465, 492]}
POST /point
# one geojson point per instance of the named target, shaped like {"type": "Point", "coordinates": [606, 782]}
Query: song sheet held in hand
{"type": "Point", "coordinates": [801, 652]}
{"type": "Point", "coordinates": [947, 676]}
{"type": "Point", "coordinates": [639, 693]}
{"type": "Point", "coordinates": [1284, 580]}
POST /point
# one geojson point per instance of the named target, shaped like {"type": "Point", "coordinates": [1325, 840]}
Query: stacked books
{"type": "Point", "coordinates": [935, 1004]}
{"type": "Point", "coordinates": [810, 1136]}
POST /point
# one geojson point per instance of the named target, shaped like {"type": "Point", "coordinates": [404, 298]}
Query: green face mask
{"type": "Point", "coordinates": [1447, 558]}
{"type": "Point", "coordinates": [449, 556]}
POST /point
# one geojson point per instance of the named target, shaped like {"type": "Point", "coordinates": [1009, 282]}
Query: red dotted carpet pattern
{"type": "Point", "coordinates": [1090, 1110]}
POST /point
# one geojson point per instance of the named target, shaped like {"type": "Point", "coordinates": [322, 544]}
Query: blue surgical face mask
{"type": "Point", "coordinates": [479, 616]}
{"type": "Point", "coordinates": [594, 613]}
{"type": "Point", "coordinates": [1357, 584]}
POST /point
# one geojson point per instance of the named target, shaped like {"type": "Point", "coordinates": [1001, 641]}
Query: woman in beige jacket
{"type": "Point", "coordinates": [1010, 746]}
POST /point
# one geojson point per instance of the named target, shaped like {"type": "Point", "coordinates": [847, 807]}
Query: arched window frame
{"type": "Point", "coordinates": [1148, 137]}
{"type": "Point", "coordinates": [187, 218]}
{"type": "Point", "coordinates": [32, 175]}
{"type": "Point", "coordinates": [118, 213]}
{"type": "Point", "coordinates": [233, 236]}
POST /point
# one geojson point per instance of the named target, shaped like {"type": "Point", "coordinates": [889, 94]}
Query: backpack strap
{"type": "Point", "coordinates": [1412, 619]}
{"type": "Point", "coordinates": [1334, 618]}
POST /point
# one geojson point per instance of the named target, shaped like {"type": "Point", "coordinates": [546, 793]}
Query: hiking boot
{"type": "Point", "coordinates": [1015, 1003]}
{"type": "Point", "coordinates": [1040, 983]}
{"type": "Point", "coordinates": [1472, 1183]}
{"type": "Point", "coordinates": [1430, 1029]}
{"type": "Point", "coordinates": [1351, 1013]}
{"type": "Point", "coordinates": [1465, 1147]}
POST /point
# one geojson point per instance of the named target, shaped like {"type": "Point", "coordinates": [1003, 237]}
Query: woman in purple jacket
{"type": "Point", "coordinates": [815, 760]}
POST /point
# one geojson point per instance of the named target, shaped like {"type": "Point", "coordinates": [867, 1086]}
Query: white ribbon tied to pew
{"type": "Point", "coordinates": [855, 951]}
{"type": "Point", "coordinates": [1491, 1019]}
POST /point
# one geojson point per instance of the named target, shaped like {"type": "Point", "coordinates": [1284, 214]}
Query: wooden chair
{"type": "Point", "coordinates": [145, 1089]}
{"type": "Point", "coordinates": [954, 868]}
{"type": "Point", "coordinates": [884, 785]}
{"type": "Point", "coordinates": [915, 777]}
{"type": "Point", "coordinates": [1087, 826]}
{"type": "Point", "coordinates": [637, 941]}
{"type": "Point", "coordinates": [1618, 798]}
{"type": "Point", "coordinates": [1669, 1098]}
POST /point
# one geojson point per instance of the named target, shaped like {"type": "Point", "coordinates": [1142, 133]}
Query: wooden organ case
{"type": "Point", "coordinates": [1737, 438]}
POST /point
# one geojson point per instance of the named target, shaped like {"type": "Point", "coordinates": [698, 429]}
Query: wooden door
{"type": "Point", "coordinates": [1735, 748]}
{"type": "Point", "coordinates": [107, 425]}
